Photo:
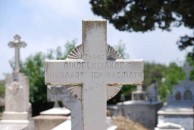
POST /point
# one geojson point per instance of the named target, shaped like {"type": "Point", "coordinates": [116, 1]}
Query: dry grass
{"type": "Point", "coordinates": [126, 124]}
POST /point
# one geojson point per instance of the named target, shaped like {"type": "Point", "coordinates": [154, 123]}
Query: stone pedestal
{"type": "Point", "coordinates": [16, 97]}
{"type": "Point", "coordinates": [51, 118]}
{"type": "Point", "coordinates": [16, 114]}
{"type": "Point", "coordinates": [14, 126]}
{"type": "Point", "coordinates": [47, 122]}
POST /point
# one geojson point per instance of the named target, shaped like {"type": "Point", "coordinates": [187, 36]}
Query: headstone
{"type": "Point", "coordinates": [92, 77]}
{"type": "Point", "coordinates": [17, 91]}
{"type": "Point", "coordinates": [61, 94]}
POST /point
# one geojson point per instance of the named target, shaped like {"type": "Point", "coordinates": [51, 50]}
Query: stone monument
{"type": "Point", "coordinates": [17, 91]}
{"type": "Point", "coordinates": [92, 75]}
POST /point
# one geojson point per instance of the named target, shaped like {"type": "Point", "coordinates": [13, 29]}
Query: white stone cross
{"type": "Point", "coordinates": [94, 72]}
{"type": "Point", "coordinates": [17, 44]}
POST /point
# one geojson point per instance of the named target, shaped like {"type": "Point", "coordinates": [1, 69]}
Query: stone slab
{"type": "Point", "coordinates": [57, 111]}
{"type": "Point", "coordinates": [14, 125]}
{"type": "Point", "coordinates": [15, 116]}
{"type": "Point", "coordinates": [48, 122]}
{"type": "Point", "coordinates": [65, 125]}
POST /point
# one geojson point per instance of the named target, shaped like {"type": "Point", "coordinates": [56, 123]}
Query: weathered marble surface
{"type": "Point", "coordinates": [94, 74]}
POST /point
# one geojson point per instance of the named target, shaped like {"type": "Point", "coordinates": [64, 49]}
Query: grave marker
{"type": "Point", "coordinates": [16, 114]}
{"type": "Point", "coordinates": [95, 72]}
{"type": "Point", "coordinates": [17, 44]}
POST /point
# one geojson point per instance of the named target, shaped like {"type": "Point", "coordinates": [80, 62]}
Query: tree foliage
{"type": "Point", "coordinates": [2, 88]}
{"type": "Point", "coordinates": [173, 75]}
{"type": "Point", "coordinates": [148, 15]}
{"type": "Point", "coordinates": [153, 72]}
{"type": "Point", "coordinates": [165, 76]}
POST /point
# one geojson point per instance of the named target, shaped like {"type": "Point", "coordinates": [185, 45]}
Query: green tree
{"type": "Point", "coordinates": [148, 15]}
{"type": "Point", "coordinates": [153, 72]}
{"type": "Point", "coordinates": [2, 88]}
{"type": "Point", "coordinates": [172, 76]}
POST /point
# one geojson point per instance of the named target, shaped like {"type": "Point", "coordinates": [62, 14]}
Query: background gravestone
{"type": "Point", "coordinates": [16, 112]}
{"type": "Point", "coordinates": [61, 94]}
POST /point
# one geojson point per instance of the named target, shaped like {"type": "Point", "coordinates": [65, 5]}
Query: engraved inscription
{"type": "Point", "coordinates": [62, 75]}
{"type": "Point", "coordinates": [98, 65]}
{"type": "Point", "coordinates": [66, 75]}
{"type": "Point", "coordinates": [94, 57]}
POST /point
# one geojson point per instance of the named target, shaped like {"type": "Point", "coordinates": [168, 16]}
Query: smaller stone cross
{"type": "Point", "coordinates": [17, 44]}
{"type": "Point", "coordinates": [139, 88]}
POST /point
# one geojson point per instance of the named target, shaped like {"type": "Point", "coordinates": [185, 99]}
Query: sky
{"type": "Point", "coordinates": [47, 24]}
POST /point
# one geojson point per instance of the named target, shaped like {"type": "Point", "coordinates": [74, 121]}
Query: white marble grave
{"type": "Point", "coordinates": [16, 94]}
{"type": "Point", "coordinates": [94, 76]}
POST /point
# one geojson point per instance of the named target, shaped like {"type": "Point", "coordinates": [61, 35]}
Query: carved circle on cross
{"type": "Point", "coordinates": [112, 54]}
